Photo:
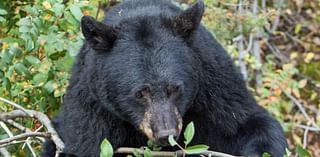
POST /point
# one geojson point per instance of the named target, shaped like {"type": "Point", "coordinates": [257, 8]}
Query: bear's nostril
{"type": "Point", "coordinates": [163, 135]}
{"type": "Point", "coordinates": [163, 141]}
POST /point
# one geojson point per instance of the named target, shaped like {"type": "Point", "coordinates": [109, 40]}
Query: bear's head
{"type": "Point", "coordinates": [144, 69]}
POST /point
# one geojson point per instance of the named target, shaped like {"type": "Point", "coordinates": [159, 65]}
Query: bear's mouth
{"type": "Point", "coordinates": [158, 126]}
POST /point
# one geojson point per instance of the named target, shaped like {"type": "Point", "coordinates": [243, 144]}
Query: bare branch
{"type": "Point", "coordinates": [14, 105]}
{"type": "Point", "coordinates": [12, 143]}
{"type": "Point", "coordinates": [41, 117]}
{"type": "Point", "coordinates": [308, 127]}
{"type": "Point", "coordinates": [277, 19]}
{"type": "Point", "coordinates": [30, 148]}
{"type": "Point", "coordinates": [5, 152]}
{"type": "Point", "coordinates": [17, 125]}
{"type": "Point", "coordinates": [256, 47]}
{"type": "Point", "coordinates": [6, 129]}
{"type": "Point", "coordinates": [21, 127]}
{"type": "Point", "coordinates": [301, 108]}
{"type": "Point", "coordinates": [22, 136]}
{"type": "Point", "coordinates": [305, 137]}
{"type": "Point", "coordinates": [242, 52]}
{"type": "Point", "coordinates": [22, 112]}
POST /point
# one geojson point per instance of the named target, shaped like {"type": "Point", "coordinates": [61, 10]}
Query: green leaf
{"type": "Point", "coordinates": [196, 149]}
{"type": "Point", "coordinates": [1, 74]}
{"type": "Point", "coordinates": [172, 141]}
{"type": "Point", "coordinates": [25, 22]}
{"type": "Point", "coordinates": [58, 9]}
{"type": "Point", "coordinates": [39, 78]}
{"type": "Point", "coordinates": [17, 52]}
{"type": "Point", "coordinates": [21, 69]}
{"type": "Point", "coordinates": [24, 29]}
{"type": "Point", "coordinates": [302, 152]}
{"type": "Point", "coordinates": [188, 133]}
{"type": "Point", "coordinates": [49, 86]}
{"type": "Point", "coordinates": [147, 153]}
{"type": "Point", "coordinates": [29, 45]}
{"type": "Point", "coordinates": [33, 60]}
{"type": "Point", "coordinates": [71, 19]}
{"type": "Point", "coordinates": [3, 12]}
{"type": "Point", "coordinates": [7, 57]}
{"type": "Point", "coordinates": [154, 146]}
{"type": "Point", "coordinates": [6, 83]}
{"type": "Point", "coordinates": [76, 12]}
{"type": "Point", "coordinates": [106, 149]}
{"type": "Point", "coordinates": [266, 154]}
{"type": "Point", "coordinates": [136, 153]}
{"type": "Point", "coordinates": [149, 143]}
{"type": "Point", "coordinates": [288, 153]}
{"type": "Point", "coordinates": [32, 10]}
{"type": "Point", "coordinates": [2, 19]}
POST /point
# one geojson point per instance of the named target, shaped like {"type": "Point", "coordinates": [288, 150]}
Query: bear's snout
{"type": "Point", "coordinates": [159, 125]}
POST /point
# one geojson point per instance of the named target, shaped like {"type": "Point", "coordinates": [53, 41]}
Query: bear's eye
{"type": "Point", "coordinates": [139, 95]}
{"type": "Point", "coordinates": [143, 92]}
{"type": "Point", "coordinates": [173, 89]}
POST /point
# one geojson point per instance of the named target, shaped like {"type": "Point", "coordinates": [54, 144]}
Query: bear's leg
{"type": "Point", "coordinates": [49, 149]}
{"type": "Point", "coordinates": [261, 134]}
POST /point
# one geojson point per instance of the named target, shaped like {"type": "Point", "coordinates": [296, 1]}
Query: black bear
{"type": "Point", "coordinates": [148, 70]}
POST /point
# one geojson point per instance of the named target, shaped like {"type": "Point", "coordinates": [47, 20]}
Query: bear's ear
{"type": "Point", "coordinates": [98, 35]}
{"type": "Point", "coordinates": [189, 19]}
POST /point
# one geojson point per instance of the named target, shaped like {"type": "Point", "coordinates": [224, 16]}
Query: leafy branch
{"type": "Point", "coordinates": [107, 150]}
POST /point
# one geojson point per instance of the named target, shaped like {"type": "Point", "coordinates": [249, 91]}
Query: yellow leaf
{"type": "Point", "coordinates": [277, 92]}
{"type": "Point", "coordinates": [288, 90]}
{"type": "Point", "coordinates": [296, 92]}
{"type": "Point", "coordinates": [287, 66]}
{"type": "Point", "coordinates": [316, 41]}
{"type": "Point", "coordinates": [313, 95]}
{"type": "Point", "coordinates": [5, 45]}
{"type": "Point", "coordinates": [293, 55]}
{"type": "Point", "coordinates": [297, 29]}
{"type": "Point", "coordinates": [55, 85]}
{"type": "Point", "coordinates": [303, 83]}
{"type": "Point", "coordinates": [309, 57]}
{"type": "Point", "coordinates": [46, 5]}
{"type": "Point", "coordinates": [296, 139]}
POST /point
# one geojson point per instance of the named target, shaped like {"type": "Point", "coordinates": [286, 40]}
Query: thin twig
{"type": "Point", "coordinates": [21, 127]}
{"type": "Point", "coordinates": [301, 108]}
{"type": "Point", "coordinates": [256, 47]}
{"type": "Point", "coordinates": [277, 53]}
{"type": "Point", "coordinates": [14, 105]}
{"type": "Point", "coordinates": [22, 136]}
{"type": "Point", "coordinates": [98, 10]}
{"type": "Point", "coordinates": [30, 147]}
{"type": "Point", "coordinates": [305, 138]}
{"type": "Point", "coordinates": [6, 129]}
{"type": "Point", "coordinates": [4, 152]}
{"type": "Point", "coordinates": [11, 143]}
{"type": "Point", "coordinates": [17, 125]}
{"type": "Point", "coordinates": [308, 127]}
{"type": "Point", "coordinates": [242, 52]}
{"type": "Point", "coordinates": [277, 19]}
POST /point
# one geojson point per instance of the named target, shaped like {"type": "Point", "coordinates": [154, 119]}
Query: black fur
{"type": "Point", "coordinates": [154, 42]}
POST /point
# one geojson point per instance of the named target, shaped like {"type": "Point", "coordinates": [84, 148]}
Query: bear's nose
{"type": "Point", "coordinates": [163, 135]}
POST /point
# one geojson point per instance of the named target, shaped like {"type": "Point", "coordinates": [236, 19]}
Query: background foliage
{"type": "Point", "coordinates": [275, 43]}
